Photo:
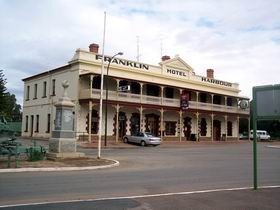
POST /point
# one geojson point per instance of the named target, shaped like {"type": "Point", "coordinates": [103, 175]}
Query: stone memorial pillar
{"type": "Point", "coordinates": [63, 142]}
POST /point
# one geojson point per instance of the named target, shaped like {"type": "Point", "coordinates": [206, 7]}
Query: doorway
{"type": "Point", "coordinates": [152, 124]}
{"type": "Point", "coordinates": [187, 127]}
{"type": "Point", "coordinates": [135, 123]}
{"type": "Point", "coordinates": [122, 124]}
{"type": "Point", "coordinates": [217, 130]}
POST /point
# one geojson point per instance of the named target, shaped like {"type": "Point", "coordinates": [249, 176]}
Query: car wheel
{"type": "Point", "coordinates": [125, 140]}
{"type": "Point", "coordinates": [143, 143]}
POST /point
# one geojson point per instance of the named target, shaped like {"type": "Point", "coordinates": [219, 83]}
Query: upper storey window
{"type": "Point", "coordinates": [53, 87]}
{"type": "Point", "coordinates": [35, 91]}
{"type": "Point", "coordinates": [27, 93]}
{"type": "Point", "coordinates": [152, 90]}
{"type": "Point", "coordinates": [44, 89]}
{"type": "Point", "coordinates": [96, 82]}
{"type": "Point", "coordinates": [169, 92]}
{"type": "Point", "coordinates": [203, 97]}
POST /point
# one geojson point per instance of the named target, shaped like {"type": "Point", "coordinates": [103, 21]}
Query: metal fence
{"type": "Point", "coordinates": [10, 128]}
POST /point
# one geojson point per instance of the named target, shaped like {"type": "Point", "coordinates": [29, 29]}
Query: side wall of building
{"type": "Point", "coordinates": [40, 103]}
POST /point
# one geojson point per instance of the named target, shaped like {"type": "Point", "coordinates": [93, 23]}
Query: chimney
{"type": "Point", "coordinates": [93, 48]}
{"type": "Point", "coordinates": [165, 57]}
{"type": "Point", "coordinates": [210, 73]}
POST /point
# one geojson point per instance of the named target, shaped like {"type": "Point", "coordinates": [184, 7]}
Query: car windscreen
{"type": "Point", "coordinates": [149, 135]}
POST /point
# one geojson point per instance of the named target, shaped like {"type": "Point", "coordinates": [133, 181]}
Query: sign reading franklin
{"type": "Point", "coordinates": [123, 62]}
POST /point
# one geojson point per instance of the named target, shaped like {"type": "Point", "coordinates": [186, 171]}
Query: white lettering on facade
{"type": "Point", "coordinates": [215, 81]}
{"type": "Point", "coordinates": [176, 72]}
{"type": "Point", "coordinates": [123, 62]}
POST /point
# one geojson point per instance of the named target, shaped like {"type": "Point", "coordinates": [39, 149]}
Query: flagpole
{"type": "Point", "coordinates": [101, 91]}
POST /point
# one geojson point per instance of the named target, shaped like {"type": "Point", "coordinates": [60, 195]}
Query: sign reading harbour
{"type": "Point", "coordinates": [215, 81]}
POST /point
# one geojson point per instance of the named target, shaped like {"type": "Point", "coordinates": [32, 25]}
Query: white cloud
{"type": "Point", "coordinates": [236, 38]}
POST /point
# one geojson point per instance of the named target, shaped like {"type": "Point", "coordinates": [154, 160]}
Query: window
{"type": "Point", "coordinates": [135, 88]}
{"type": "Point", "coordinates": [37, 123]}
{"type": "Point", "coordinates": [140, 134]}
{"type": "Point", "coordinates": [169, 92]}
{"type": "Point", "coordinates": [152, 90]}
{"type": "Point", "coordinates": [229, 128]}
{"type": "Point", "coordinates": [49, 123]}
{"type": "Point", "coordinates": [26, 124]}
{"type": "Point", "coordinates": [217, 99]}
{"type": "Point", "coordinates": [96, 82]}
{"type": "Point", "coordinates": [44, 90]}
{"type": "Point", "coordinates": [35, 91]}
{"type": "Point", "coordinates": [53, 87]}
{"type": "Point", "coordinates": [229, 102]}
{"type": "Point", "coordinates": [170, 128]}
{"type": "Point", "coordinates": [27, 92]}
{"type": "Point", "coordinates": [203, 97]}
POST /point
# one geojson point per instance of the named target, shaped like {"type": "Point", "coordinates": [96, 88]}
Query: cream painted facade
{"type": "Point", "coordinates": [153, 103]}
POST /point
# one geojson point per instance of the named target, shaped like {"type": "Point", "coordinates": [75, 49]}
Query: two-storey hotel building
{"type": "Point", "coordinates": [168, 100]}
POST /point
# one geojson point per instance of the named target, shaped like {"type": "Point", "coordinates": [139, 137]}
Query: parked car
{"type": "Point", "coordinates": [261, 134]}
{"type": "Point", "coordinates": [243, 135]}
{"type": "Point", "coordinates": [143, 139]}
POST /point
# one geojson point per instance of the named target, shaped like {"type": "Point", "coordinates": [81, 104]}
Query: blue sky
{"type": "Point", "coordinates": [238, 39]}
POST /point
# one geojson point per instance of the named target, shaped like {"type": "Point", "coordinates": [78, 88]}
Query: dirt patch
{"type": "Point", "coordinates": [75, 162]}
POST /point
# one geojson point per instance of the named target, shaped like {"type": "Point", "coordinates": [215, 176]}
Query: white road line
{"type": "Point", "coordinates": [275, 147]}
{"type": "Point", "coordinates": [140, 196]}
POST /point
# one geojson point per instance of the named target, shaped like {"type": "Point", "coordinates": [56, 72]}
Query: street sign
{"type": "Point", "coordinates": [267, 101]}
{"type": "Point", "coordinates": [266, 106]}
{"type": "Point", "coordinates": [124, 88]}
{"type": "Point", "coordinates": [185, 101]}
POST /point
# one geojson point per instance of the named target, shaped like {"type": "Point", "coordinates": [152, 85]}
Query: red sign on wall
{"type": "Point", "coordinates": [185, 97]}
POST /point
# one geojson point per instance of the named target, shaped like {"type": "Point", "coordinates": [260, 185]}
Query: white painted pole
{"type": "Point", "coordinates": [101, 91]}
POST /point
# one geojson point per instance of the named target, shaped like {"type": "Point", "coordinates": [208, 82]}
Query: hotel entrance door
{"type": "Point", "coordinates": [187, 128]}
{"type": "Point", "coordinates": [217, 130]}
{"type": "Point", "coordinates": [152, 124]}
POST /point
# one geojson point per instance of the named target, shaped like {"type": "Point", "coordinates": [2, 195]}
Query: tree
{"type": "Point", "coordinates": [12, 111]}
{"type": "Point", "coordinates": [3, 93]}
{"type": "Point", "coordinates": [9, 109]}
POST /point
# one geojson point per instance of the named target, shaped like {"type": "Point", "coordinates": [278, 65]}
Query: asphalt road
{"type": "Point", "coordinates": [267, 199]}
{"type": "Point", "coordinates": [146, 171]}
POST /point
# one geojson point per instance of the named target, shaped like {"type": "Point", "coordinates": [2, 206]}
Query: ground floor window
{"type": "Point", "coordinates": [26, 124]}
{"type": "Point", "coordinates": [37, 123]}
{"type": "Point", "coordinates": [170, 128]}
{"type": "Point", "coordinates": [49, 123]}
{"type": "Point", "coordinates": [229, 128]}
